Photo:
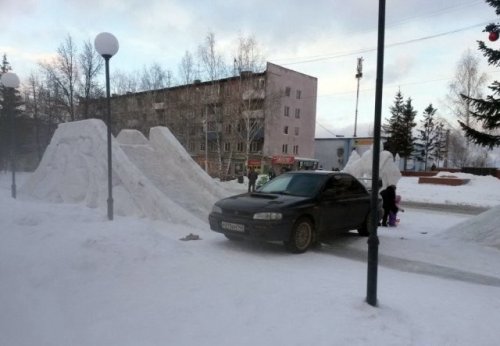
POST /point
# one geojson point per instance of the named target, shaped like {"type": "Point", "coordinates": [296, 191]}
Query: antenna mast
{"type": "Point", "coordinates": [359, 74]}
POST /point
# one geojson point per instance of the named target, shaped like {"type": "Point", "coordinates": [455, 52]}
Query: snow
{"type": "Point", "coordinates": [69, 276]}
{"type": "Point", "coordinates": [361, 167]}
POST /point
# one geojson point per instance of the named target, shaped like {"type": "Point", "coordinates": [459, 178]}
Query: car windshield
{"type": "Point", "coordinates": [304, 185]}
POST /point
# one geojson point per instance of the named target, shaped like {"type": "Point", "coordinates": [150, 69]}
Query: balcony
{"type": "Point", "coordinates": [253, 94]}
{"type": "Point", "coordinates": [255, 114]}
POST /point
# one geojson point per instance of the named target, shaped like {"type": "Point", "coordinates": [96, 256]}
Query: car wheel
{"type": "Point", "coordinates": [301, 237]}
{"type": "Point", "coordinates": [233, 237]}
{"type": "Point", "coordinates": [365, 229]}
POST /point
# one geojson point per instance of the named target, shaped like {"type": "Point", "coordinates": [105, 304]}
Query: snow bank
{"type": "Point", "coordinates": [483, 229]}
{"type": "Point", "coordinates": [146, 174]}
{"type": "Point", "coordinates": [480, 191]}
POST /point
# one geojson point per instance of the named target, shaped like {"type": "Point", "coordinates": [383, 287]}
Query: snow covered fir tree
{"type": "Point", "coordinates": [486, 111]}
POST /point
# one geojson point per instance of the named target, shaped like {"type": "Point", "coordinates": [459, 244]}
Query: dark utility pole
{"type": "Point", "coordinates": [108, 121]}
{"type": "Point", "coordinates": [373, 241]}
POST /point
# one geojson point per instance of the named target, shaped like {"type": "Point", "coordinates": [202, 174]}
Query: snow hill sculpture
{"type": "Point", "coordinates": [153, 178]}
{"type": "Point", "coordinates": [361, 167]}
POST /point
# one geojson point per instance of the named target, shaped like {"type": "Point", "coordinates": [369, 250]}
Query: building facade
{"type": "Point", "coordinates": [265, 120]}
{"type": "Point", "coordinates": [333, 153]}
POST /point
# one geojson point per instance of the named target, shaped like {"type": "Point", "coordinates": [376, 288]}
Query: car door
{"type": "Point", "coordinates": [333, 205]}
{"type": "Point", "coordinates": [358, 200]}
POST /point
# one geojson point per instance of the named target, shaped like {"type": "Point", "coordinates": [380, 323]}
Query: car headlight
{"type": "Point", "coordinates": [267, 216]}
{"type": "Point", "coordinates": [216, 209]}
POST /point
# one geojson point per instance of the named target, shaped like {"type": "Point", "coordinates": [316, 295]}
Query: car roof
{"type": "Point", "coordinates": [317, 172]}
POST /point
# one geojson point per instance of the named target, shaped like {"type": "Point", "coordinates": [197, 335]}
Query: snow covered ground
{"type": "Point", "coordinates": [68, 276]}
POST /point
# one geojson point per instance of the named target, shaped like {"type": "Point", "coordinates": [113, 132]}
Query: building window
{"type": "Point", "coordinates": [297, 113]}
{"type": "Point", "coordinates": [287, 91]}
{"type": "Point", "coordinates": [284, 149]}
{"type": "Point", "coordinates": [227, 146]}
{"type": "Point", "coordinates": [240, 147]}
{"type": "Point", "coordinates": [202, 146]}
{"type": "Point", "coordinates": [287, 111]}
{"type": "Point", "coordinates": [296, 149]}
{"type": "Point", "coordinates": [298, 94]}
{"type": "Point", "coordinates": [285, 130]}
{"type": "Point", "coordinates": [228, 128]}
{"type": "Point", "coordinates": [255, 146]}
{"type": "Point", "coordinates": [191, 146]}
{"type": "Point", "coordinates": [296, 131]}
{"type": "Point", "coordinates": [212, 146]}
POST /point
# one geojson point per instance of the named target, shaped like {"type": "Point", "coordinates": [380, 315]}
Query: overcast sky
{"type": "Point", "coordinates": [424, 41]}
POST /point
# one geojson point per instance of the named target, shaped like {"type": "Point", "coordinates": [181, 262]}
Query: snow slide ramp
{"type": "Point", "coordinates": [169, 167]}
{"type": "Point", "coordinates": [74, 170]}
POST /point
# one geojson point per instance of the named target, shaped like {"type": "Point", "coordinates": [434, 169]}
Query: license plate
{"type": "Point", "coordinates": [233, 226]}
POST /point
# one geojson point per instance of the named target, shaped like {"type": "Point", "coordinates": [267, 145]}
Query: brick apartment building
{"type": "Point", "coordinates": [265, 120]}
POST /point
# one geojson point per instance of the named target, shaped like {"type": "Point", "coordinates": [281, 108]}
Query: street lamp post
{"type": "Point", "coordinates": [373, 241]}
{"type": "Point", "coordinates": [107, 46]}
{"type": "Point", "coordinates": [11, 81]}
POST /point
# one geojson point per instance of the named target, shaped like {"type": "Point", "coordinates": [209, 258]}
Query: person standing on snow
{"type": "Point", "coordinates": [389, 202]}
{"type": "Point", "coordinates": [252, 178]}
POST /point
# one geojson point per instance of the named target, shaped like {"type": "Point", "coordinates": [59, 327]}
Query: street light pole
{"type": "Point", "coordinates": [11, 81]}
{"type": "Point", "coordinates": [373, 241]}
{"type": "Point", "coordinates": [206, 139]}
{"type": "Point", "coordinates": [107, 46]}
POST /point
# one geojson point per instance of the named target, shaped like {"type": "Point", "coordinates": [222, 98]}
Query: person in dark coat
{"type": "Point", "coordinates": [252, 178]}
{"type": "Point", "coordinates": [272, 175]}
{"type": "Point", "coordinates": [389, 202]}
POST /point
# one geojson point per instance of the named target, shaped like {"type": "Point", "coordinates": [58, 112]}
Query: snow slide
{"type": "Point", "coordinates": [155, 178]}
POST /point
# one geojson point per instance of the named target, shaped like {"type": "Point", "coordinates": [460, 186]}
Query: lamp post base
{"type": "Point", "coordinates": [371, 290]}
{"type": "Point", "coordinates": [110, 208]}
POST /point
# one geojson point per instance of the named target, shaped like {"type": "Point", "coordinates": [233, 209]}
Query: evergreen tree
{"type": "Point", "coordinates": [428, 133]}
{"type": "Point", "coordinates": [10, 101]}
{"type": "Point", "coordinates": [399, 128]}
{"type": "Point", "coordinates": [487, 111]}
{"type": "Point", "coordinates": [393, 128]}
{"type": "Point", "coordinates": [407, 125]}
{"type": "Point", "coordinates": [440, 151]}
{"type": "Point", "coordinates": [4, 133]}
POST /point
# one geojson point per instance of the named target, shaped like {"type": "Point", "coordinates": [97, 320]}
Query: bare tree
{"type": "Point", "coordinates": [211, 60]}
{"type": "Point", "coordinates": [63, 73]}
{"type": "Point", "coordinates": [248, 56]}
{"type": "Point", "coordinates": [123, 83]}
{"type": "Point", "coordinates": [91, 65]}
{"type": "Point", "coordinates": [252, 99]}
{"type": "Point", "coordinates": [461, 154]}
{"type": "Point", "coordinates": [155, 77]}
{"type": "Point", "coordinates": [468, 81]}
{"type": "Point", "coordinates": [186, 69]}
{"type": "Point", "coordinates": [32, 102]}
{"type": "Point", "coordinates": [214, 69]}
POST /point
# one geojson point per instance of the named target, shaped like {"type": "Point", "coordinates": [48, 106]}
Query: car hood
{"type": "Point", "coordinates": [260, 201]}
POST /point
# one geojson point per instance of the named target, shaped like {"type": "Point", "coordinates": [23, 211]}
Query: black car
{"type": "Point", "coordinates": [298, 208]}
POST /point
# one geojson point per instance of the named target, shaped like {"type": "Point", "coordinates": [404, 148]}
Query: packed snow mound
{"type": "Point", "coordinates": [361, 167]}
{"type": "Point", "coordinates": [165, 163]}
{"type": "Point", "coordinates": [483, 229]}
{"type": "Point", "coordinates": [155, 178]}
